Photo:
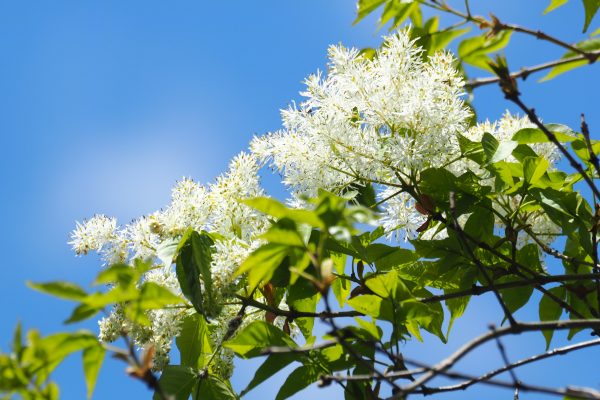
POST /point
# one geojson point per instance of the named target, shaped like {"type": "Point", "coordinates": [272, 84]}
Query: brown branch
{"type": "Point", "coordinates": [449, 362]}
{"type": "Point", "coordinates": [514, 96]}
{"type": "Point", "coordinates": [557, 254]}
{"type": "Point", "coordinates": [569, 391]}
{"type": "Point", "coordinates": [585, 131]}
{"type": "Point", "coordinates": [294, 314]}
{"type": "Point", "coordinates": [526, 71]}
{"type": "Point", "coordinates": [540, 279]}
{"type": "Point", "coordinates": [552, 353]}
{"type": "Point", "coordinates": [501, 26]}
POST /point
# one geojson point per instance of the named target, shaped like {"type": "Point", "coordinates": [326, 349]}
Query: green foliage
{"type": "Point", "coordinates": [25, 371]}
{"type": "Point", "coordinates": [592, 44]}
{"type": "Point", "coordinates": [193, 268]}
{"type": "Point", "coordinates": [481, 235]}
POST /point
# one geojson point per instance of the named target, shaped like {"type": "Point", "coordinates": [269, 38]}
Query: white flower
{"type": "Point", "coordinates": [215, 208]}
{"type": "Point", "coordinates": [400, 217]}
{"type": "Point", "coordinates": [368, 120]}
{"type": "Point", "coordinates": [369, 116]}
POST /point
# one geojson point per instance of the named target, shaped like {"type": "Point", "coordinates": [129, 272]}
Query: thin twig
{"type": "Point", "coordinates": [538, 34]}
{"type": "Point", "coordinates": [514, 96]}
{"type": "Point", "coordinates": [541, 279]}
{"type": "Point", "coordinates": [449, 362]}
{"type": "Point", "coordinates": [569, 391]}
{"type": "Point", "coordinates": [551, 353]}
{"type": "Point", "coordinates": [504, 356]}
{"type": "Point", "coordinates": [526, 71]}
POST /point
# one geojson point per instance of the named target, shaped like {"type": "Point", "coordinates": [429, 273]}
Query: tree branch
{"type": "Point", "coordinates": [526, 71]}
{"type": "Point", "coordinates": [552, 353]}
{"type": "Point", "coordinates": [449, 362]}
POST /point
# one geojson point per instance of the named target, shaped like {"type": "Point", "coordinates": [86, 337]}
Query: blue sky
{"type": "Point", "coordinates": [105, 104]}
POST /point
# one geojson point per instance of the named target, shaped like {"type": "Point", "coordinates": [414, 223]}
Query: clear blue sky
{"type": "Point", "coordinates": [103, 105]}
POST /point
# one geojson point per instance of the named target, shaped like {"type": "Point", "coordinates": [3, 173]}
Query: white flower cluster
{"type": "Point", "coordinates": [379, 120]}
{"type": "Point", "coordinates": [215, 208]}
{"type": "Point", "coordinates": [368, 120]}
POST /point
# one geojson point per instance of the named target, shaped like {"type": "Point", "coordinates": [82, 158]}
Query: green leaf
{"type": "Point", "coordinates": [388, 285]}
{"type": "Point", "coordinates": [549, 310]}
{"type": "Point", "coordinates": [590, 7]}
{"type": "Point", "coordinates": [284, 232]}
{"type": "Point", "coordinates": [397, 10]}
{"type": "Point", "coordinates": [166, 251]}
{"type": "Point", "coordinates": [93, 357]}
{"type": "Point", "coordinates": [386, 257]}
{"type": "Point", "coordinates": [193, 265]}
{"type": "Point", "coordinates": [249, 341]}
{"type": "Point", "coordinates": [580, 148]}
{"type": "Point", "coordinates": [17, 343]}
{"type": "Point", "coordinates": [475, 50]}
{"type": "Point", "coordinates": [481, 223]}
{"type": "Point", "coordinates": [213, 388]}
{"type": "Point", "coordinates": [441, 39]}
{"type": "Point", "coordinates": [272, 365]}
{"type": "Point", "coordinates": [300, 378]}
{"type": "Point", "coordinates": [177, 381]}
{"type": "Point", "coordinates": [535, 135]}
{"type": "Point", "coordinates": [341, 287]}
{"type": "Point", "coordinates": [554, 4]}
{"type": "Point", "coordinates": [373, 306]}
{"type": "Point", "coordinates": [375, 331]}
{"type": "Point", "coordinates": [303, 296]}
{"type": "Point", "coordinates": [275, 209]}
{"type": "Point", "coordinates": [194, 342]}
{"type": "Point", "coordinates": [64, 290]}
{"type": "Point", "coordinates": [262, 263]}
{"type": "Point", "coordinates": [457, 308]}
{"type": "Point", "coordinates": [122, 274]}
{"type": "Point", "coordinates": [366, 7]}
{"type": "Point", "coordinates": [50, 351]}
{"type": "Point", "coordinates": [514, 298]}
{"type": "Point", "coordinates": [490, 145]}
{"type": "Point", "coordinates": [154, 296]}
{"type": "Point", "coordinates": [534, 169]}
{"type": "Point", "coordinates": [586, 45]}
{"type": "Point", "coordinates": [82, 312]}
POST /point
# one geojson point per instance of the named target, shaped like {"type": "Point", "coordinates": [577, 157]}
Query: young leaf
{"type": "Point", "coordinates": [554, 4]}
{"type": "Point", "coordinates": [590, 7]}
{"type": "Point", "coordinates": [93, 357]}
{"type": "Point", "coordinates": [536, 135]}
{"type": "Point", "coordinates": [193, 341]}
{"type": "Point", "coordinates": [212, 388]}
{"type": "Point", "coordinates": [275, 209]}
{"type": "Point", "coordinates": [257, 335]}
{"type": "Point", "coordinates": [366, 7]}
{"type": "Point", "coordinates": [272, 365]}
{"type": "Point", "coordinates": [153, 296]}
{"type": "Point", "coordinates": [534, 169]}
{"type": "Point", "coordinates": [64, 290]}
{"type": "Point", "coordinates": [193, 265]}
{"type": "Point", "coordinates": [586, 45]}
{"type": "Point", "coordinates": [177, 381]}
{"type": "Point", "coordinates": [300, 378]}
{"type": "Point", "coordinates": [549, 310]}
{"type": "Point", "coordinates": [475, 50]}
{"type": "Point", "coordinates": [262, 263]}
